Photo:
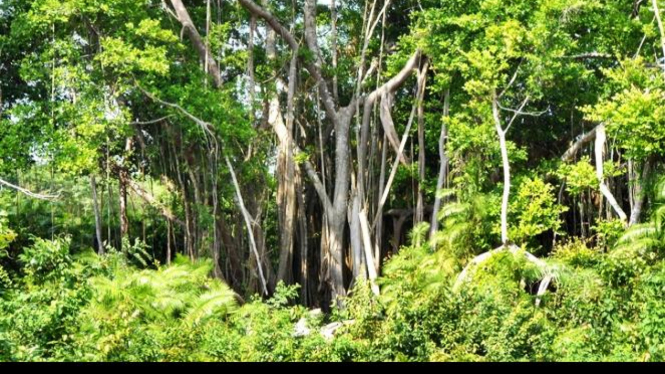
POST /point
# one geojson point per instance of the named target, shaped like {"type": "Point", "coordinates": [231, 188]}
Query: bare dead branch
{"type": "Point", "coordinates": [28, 192]}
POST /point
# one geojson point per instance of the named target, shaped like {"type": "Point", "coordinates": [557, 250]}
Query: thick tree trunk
{"type": "Point", "coordinates": [640, 196]}
{"type": "Point", "coordinates": [335, 208]}
{"type": "Point", "coordinates": [286, 194]}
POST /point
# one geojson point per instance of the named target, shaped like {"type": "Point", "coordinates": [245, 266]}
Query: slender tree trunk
{"type": "Point", "coordinates": [501, 132]}
{"type": "Point", "coordinates": [378, 242]}
{"type": "Point", "coordinates": [640, 196]}
{"type": "Point", "coordinates": [303, 241]}
{"type": "Point", "coordinates": [168, 242]}
{"type": "Point", "coordinates": [420, 202]}
{"type": "Point", "coordinates": [357, 252]}
{"type": "Point", "coordinates": [109, 212]}
{"type": "Point", "coordinates": [443, 168]}
{"type": "Point", "coordinates": [194, 215]}
{"type": "Point", "coordinates": [333, 24]}
{"type": "Point", "coordinates": [124, 221]}
{"type": "Point", "coordinates": [248, 224]}
{"type": "Point", "coordinates": [98, 216]}
{"type": "Point", "coordinates": [364, 225]}
{"type": "Point", "coordinates": [506, 183]}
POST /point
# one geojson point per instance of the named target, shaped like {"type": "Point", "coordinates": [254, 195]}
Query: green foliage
{"type": "Point", "coordinates": [535, 210]}
{"type": "Point", "coordinates": [467, 224]}
{"type": "Point", "coordinates": [634, 111]}
{"type": "Point", "coordinates": [6, 234]}
{"type": "Point", "coordinates": [580, 177]}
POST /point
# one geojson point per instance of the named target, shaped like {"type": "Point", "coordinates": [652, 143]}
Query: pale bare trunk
{"type": "Point", "coordinates": [364, 225]}
{"type": "Point", "coordinates": [505, 161]}
{"type": "Point", "coordinates": [656, 11]}
{"type": "Point", "coordinates": [248, 225]}
{"type": "Point", "coordinates": [640, 196]}
{"type": "Point", "coordinates": [506, 184]}
{"type": "Point", "coordinates": [420, 202]}
{"type": "Point", "coordinates": [124, 221]}
{"type": "Point", "coordinates": [601, 138]}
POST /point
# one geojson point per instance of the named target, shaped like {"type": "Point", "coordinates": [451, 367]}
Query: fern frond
{"type": "Point", "coordinates": [445, 193]}
{"type": "Point", "coordinates": [216, 302]}
{"type": "Point", "coordinates": [645, 230]}
{"type": "Point", "coordinates": [451, 210]}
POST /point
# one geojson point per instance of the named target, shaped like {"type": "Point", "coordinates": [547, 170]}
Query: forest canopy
{"type": "Point", "coordinates": [332, 180]}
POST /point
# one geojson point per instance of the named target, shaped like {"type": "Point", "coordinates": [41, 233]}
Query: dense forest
{"type": "Point", "coordinates": [332, 180]}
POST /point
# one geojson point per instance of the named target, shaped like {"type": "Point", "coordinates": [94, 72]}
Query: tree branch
{"type": "Point", "coordinates": [199, 45]}
{"type": "Point", "coordinates": [584, 139]}
{"type": "Point", "coordinates": [312, 68]}
{"type": "Point", "coordinates": [28, 192]}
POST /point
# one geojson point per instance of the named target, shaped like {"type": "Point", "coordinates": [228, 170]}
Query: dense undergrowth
{"type": "Point", "coordinates": [602, 305]}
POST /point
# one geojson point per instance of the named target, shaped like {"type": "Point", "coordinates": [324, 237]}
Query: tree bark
{"type": "Point", "coordinates": [355, 236]}
{"type": "Point", "coordinates": [286, 194]}
{"type": "Point", "coordinates": [640, 196]}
